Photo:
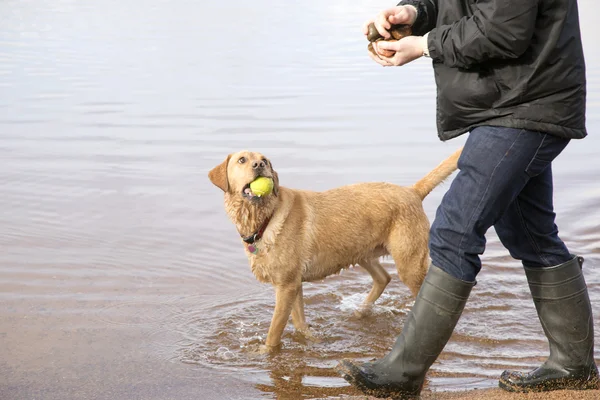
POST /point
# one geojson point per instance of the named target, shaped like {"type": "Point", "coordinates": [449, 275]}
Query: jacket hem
{"type": "Point", "coordinates": [551, 129]}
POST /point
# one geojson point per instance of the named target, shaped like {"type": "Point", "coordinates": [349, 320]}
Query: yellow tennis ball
{"type": "Point", "coordinates": [262, 186]}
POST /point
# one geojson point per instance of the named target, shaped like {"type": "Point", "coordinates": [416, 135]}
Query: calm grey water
{"type": "Point", "coordinates": [121, 276]}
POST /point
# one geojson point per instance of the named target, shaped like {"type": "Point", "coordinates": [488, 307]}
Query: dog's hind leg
{"type": "Point", "coordinates": [380, 280]}
{"type": "Point", "coordinates": [298, 318]}
{"type": "Point", "coordinates": [408, 246]}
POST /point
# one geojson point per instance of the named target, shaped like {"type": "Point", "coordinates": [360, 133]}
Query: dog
{"type": "Point", "coordinates": [292, 236]}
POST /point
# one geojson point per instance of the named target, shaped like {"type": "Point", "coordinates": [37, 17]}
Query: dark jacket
{"type": "Point", "coordinates": [517, 64]}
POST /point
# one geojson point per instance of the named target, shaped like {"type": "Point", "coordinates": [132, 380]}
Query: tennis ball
{"type": "Point", "coordinates": [262, 186]}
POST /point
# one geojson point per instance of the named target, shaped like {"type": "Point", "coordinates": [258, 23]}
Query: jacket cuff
{"type": "Point", "coordinates": [433, 53]}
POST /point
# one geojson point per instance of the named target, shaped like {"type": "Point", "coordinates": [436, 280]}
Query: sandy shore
{"type": "Point", "coordinates": [498, 394]}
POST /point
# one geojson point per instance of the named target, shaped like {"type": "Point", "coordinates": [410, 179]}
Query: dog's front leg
{"type": "Point", "coordinates": [285, 295]}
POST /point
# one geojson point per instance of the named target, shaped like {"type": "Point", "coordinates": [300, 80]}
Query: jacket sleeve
{"type": "Point", "coordinates": [427, 11]}
{"type": "Point", "coordinates": [498, 29]}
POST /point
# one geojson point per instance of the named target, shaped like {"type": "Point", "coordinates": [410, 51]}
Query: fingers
{"type": "Point", "coordinates": [377, 58]}
{"type": "Point", "coordinates": [394, 61]}
{"type": "Point", "coordinates": [385, 19]}
{"type": "Point", "coordinates": [381, 51]}
{"type": "Point", "coordinates": [401, 17]}
{"type": "Point", "coordinates": [389, 45]}
{"type": "Point", "coordinates": [390, 56]}
{"type": "Point", "coordinates": [392, 16]}
{"type": "Point", "coordinates": [398, 59]}
{"type": "Point", "coordinates": [393, 52]}
{"type": "Point", "coordinates": [382, 24]}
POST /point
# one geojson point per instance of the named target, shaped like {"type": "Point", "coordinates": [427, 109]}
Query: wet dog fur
{"type": "Point", "coordinates": [311, 235]}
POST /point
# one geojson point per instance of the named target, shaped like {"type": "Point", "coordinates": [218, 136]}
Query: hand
{"type": "Point", "coordinates": [392, 16]}
{"type": "Point", "coordinates": [406, 50]}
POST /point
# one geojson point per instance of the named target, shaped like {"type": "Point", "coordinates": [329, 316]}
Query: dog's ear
{"type": "Point", "coordinates": [275, 180]}
{"type": "Point", "coordinates": [218, 175]}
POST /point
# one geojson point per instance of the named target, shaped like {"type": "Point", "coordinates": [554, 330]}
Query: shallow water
{"type": "Point", "coordinates": [120, 274]}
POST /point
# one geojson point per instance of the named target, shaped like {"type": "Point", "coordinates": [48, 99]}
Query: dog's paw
{"type": "Point", "coordinates": [363, 311]}
{"type": "Point", "coordinates": [266, 349]}
{"type": "Point", "coordinates": [309, 334]}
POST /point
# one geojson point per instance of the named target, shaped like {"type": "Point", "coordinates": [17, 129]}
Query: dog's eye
{"type": "Point", "coordinates": [265, 161]}
{"type": "Point", "coordinates": [242, 160]}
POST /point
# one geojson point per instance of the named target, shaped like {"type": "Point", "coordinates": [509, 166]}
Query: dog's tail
{"type": "Point", "coordinates": [425, 185]}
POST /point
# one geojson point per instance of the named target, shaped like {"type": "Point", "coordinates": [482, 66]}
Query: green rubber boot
{"type": "Point", "coordinates": [563, 306]}
{"type": "Point", "coordinates": [429, 325]}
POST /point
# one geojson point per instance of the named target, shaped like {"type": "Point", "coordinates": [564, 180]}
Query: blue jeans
{"type": "Point", "coordinates": [505, 181]}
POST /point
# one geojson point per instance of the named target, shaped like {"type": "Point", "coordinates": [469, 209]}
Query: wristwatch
{"type": "Point", "coordinates": [425, 46]}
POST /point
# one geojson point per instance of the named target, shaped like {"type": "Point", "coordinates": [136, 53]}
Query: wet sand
{"type": "Point", "coordinates": [121, 276]}
{"type": "Point", "coordinates": [497, 394]}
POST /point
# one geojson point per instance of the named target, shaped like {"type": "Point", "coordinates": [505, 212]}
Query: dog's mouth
{"type": "Point", "coordinates": [248, 194]}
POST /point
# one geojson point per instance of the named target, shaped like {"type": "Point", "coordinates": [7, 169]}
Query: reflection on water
{"type": "Point", "coordinates": [120, 274]}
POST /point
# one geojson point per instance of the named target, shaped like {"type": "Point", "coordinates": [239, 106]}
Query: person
{"type": "Point", "coordinates": [512, 75]}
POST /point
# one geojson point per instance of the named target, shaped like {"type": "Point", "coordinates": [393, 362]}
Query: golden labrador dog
{"type": "Point", "coordinates": [293, 236]}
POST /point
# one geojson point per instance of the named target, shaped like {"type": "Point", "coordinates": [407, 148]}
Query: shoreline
{"type": "Point", "coordinates": [499, 394]}
{"type": "Point", "coordinates": [494, 394]}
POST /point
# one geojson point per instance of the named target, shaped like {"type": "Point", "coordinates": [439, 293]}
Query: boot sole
{"type": "Point", "coordinates": [587, 385]}
{"type": "Point", "coordinates": [349, 373]}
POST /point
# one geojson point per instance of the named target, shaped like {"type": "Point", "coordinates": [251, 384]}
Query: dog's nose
{"type": "Point", "coordinates": [258, 164]}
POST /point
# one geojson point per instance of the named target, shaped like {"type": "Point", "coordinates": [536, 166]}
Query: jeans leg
{"type": "Point", "coordinates": [527, 228]}
{"type": "Point", "coordinates": [495, 166]}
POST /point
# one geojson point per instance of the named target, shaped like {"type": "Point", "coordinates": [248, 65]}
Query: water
{"type": "Point", "coordinates": [120, 274]}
